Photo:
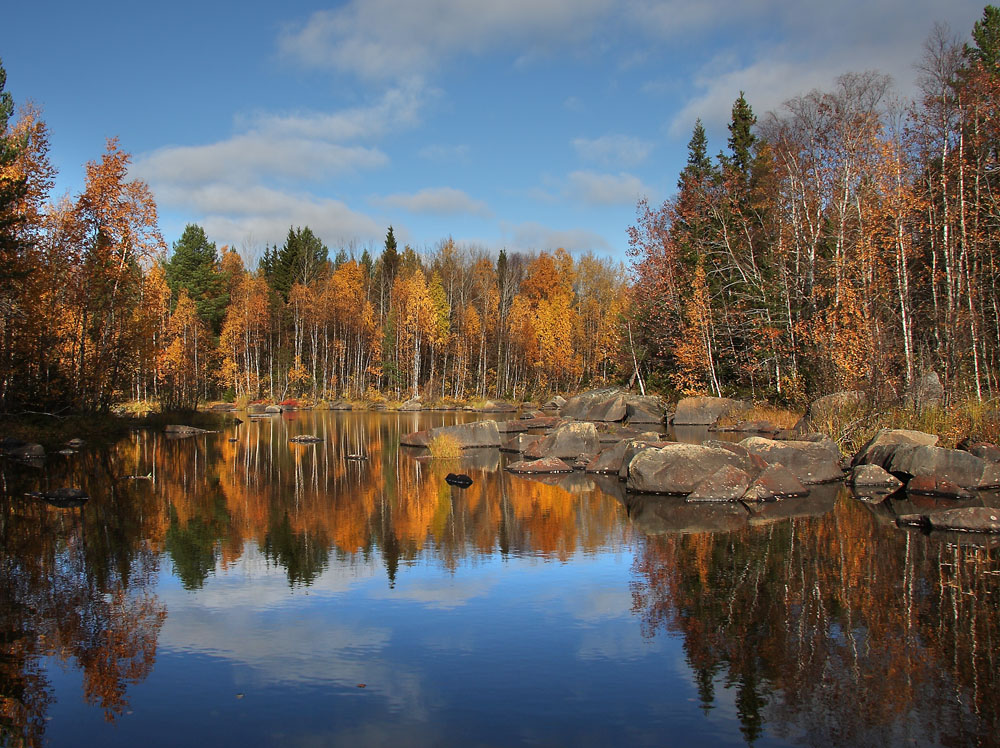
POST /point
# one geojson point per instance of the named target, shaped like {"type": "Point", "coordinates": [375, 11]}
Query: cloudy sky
{"type": "Point", "coordinates": [525, 124]}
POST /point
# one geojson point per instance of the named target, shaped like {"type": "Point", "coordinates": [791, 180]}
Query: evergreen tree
{"type": "Point", "coordinates": [986, 34]}
{"type": "Point", "coordinates": [302, 259]}
{"type": "Point", "coordinates": [741, 137]}
{"type": "Point", "coordinates": [194, 267]}
{"type": "Point", "coordinates": [699, 165]}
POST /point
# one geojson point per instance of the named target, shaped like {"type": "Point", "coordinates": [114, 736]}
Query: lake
{"type": "Point", "coordinates": [250, 591]}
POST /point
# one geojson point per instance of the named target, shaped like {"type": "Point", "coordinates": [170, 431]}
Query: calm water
{"type": "Point", "coordinates": [256, 592]}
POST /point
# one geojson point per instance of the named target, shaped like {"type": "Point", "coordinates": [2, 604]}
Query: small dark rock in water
{"type": "Point", "coordinates": [237, 421]}
{"type": "Point", "coordinates": [66, 452]}
{"type": "Point", "coordinates": [305, 439]}
{"type": "Point", "coordinates": [62, 497]}
{"type": "Point", "coordinates": [357, 457]}
{"type": "Point", "coordinates": [458, 479]}
{"type": "Point", "coordinates": [147, 476]}
{"type": "Point", "coordinates": [75, 443]}
{"type": "Point", "coordinates": [233, 439]}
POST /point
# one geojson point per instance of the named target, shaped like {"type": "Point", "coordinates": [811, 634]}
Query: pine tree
{"type": "Point", "coordinates": [986, 34]}
{"type": "Point", "coordinates": [194, 267]}
{"type": "Point", "coordinates": [741, 137]}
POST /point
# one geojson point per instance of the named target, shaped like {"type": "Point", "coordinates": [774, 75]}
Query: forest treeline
{"type": "Point", "coordinates": [847, 240]}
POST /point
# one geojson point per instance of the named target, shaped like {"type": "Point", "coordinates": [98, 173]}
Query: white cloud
{"type": "Point", "coordinates": [606, 189]}
{"type": "Point", "coordinates": [614, 150]}
{"type": "Point", "coordinates": [526, 237]}
{"type": "Point", "coordinates": [387, 39]}
{"type": "Point", "coordinates": [440, 201]}
{"type": "Point", "coordinates": [252, 156]}
{"type": "Point", "coordinates": [230, 213]}
{"type": "Point", "coordinates": [809, 46]}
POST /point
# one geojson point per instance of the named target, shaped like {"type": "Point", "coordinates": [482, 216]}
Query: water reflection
{"type": "Point", "coordinates": [832, 631]}
{"type": "Point", "coordinates": [814, 620]}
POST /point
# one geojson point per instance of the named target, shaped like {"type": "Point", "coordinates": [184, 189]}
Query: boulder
{"type": "Point", "coordinates": [647, 409]}
{"type": "Point", "coordinates": [25, 451]}
{"type": "Point", "coordinates": [470, 435]}
{"type": "Point", "coordinates": [512, 427]}
{"type": "Point", "coordinates": [519, 443]}
{"type": "Point", "coordinates": [75, 443]}
{"type": "Point", "coordinates": [461, 480]}
{"type": "Point", "coordinates": [544, 465]}
{"type": "Point", "coordinates": [775, 482]}
{"type": "Point", "coordinates": [555, 403]}
{"type": "Point", "coordinates": [632, 448]}
{"type": "Point", "coordinates": [810, 462]}
{"type": "Point", "coordinates": [568, 441]}
{"type": "Point", "coordinates": [609, 459]}
{"type": "Point", "coordinates": [925, 392]}
{"type": "Point", "coordinates": [497, 406]}
{"type": "Point", "coordinates": [953, 465]}
{"type": "Point", "coordinates": [341, 405]}
{"type": "Point", "coordinates": [305, 439]}
{"type": "Point", "coordinates": [880, 448]}
{"type": "Point", "coordinates": [728, 483]}
{"type": "Point", "coordinates": [606, 404]}
{"type": "Point", "coordinates": [177, 431]}
{"type": "Point", "coordinates": [705, 411]}
{"type": "Point", "coordinates": [414, 403]}
{"type": "Point", "coordinates": [929, 485]}
{"type": "Point", "coordinates": [983, 450]}
{"type": "Point", "coordinates": [873, 476]}
{"type": "Point", "coordinates": [272, 409]}
{"type": "Point", "coordinates": [62, 497]}
{"type": "Point", "coordinates": [416, 439]}
{"type": "Point", "coordinates": [677, 468]}
{"type": "Point", "coordinates": [223, 407]}
{"type": "Point", "coordinates": [966, 519]}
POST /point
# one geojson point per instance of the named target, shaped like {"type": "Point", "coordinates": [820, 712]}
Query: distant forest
{"type": "Point", "coordinates": [848, 240]}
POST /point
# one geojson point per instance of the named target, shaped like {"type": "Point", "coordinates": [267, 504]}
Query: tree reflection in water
{"type": "Point", "coordinates": [833, 629]}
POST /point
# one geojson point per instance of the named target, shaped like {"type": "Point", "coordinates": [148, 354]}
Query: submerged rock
{"type": "Point", "coordinates": [62, 497]}
{"type": "Point", "coordinates": [461, 480]}
{"type": "Point", "coordinates": [176, 431]}
{"type": "Point", "coordinates": [305, 439]}
{"type": "Point", "coordinates": [545, 465]}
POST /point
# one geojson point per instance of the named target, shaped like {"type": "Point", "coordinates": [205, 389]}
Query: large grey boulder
{"type": "Point", "coordinates": [610, 459]}
{"type": "Point", "coordinates": [954, 465]}
{"type": "Point", "coordinates": [873, 476]}
{"type": "Point", "coordinates": [470, 435]}
{"type": "Point", "coordinates": [881, 447]}
{"type": "Point", "coordinates": [648, 409]}
{"type": "Point", "coordinates": [568, 441]}
{"type": "Point", "coordinates": [606, 404]}
{"type": "Point", "coordinates": [413, 404]}
{"type": "Point", "coordinates": [728, 483]}
{"type": "Point", "coordinates": [272, 409]}
{"type": "Point", "coordinates": [677, 468]}
{"type": "Point", "coordinates": [966, 519]}
{"type": "Point", "coordinates": [810, 462]}
{"type": "Point", "coordinates": [416, 438]}
{"type": "Point", "coordinates": [705, 411]}
{"type": "Point", "coordinates": [776, 482]}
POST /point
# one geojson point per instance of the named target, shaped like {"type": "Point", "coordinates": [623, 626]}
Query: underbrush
{"type": "Point", "coordinates": [778, 416]}
{"type": "Point", "coordinates": [445, 447]}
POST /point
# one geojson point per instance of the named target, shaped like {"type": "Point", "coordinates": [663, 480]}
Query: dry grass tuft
{"type": "Point", "coordinates": [445, 447]}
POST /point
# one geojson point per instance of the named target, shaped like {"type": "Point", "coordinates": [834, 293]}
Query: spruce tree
{"type": "Point", "coordinates": [741, 137]}
{"type": "Point", "coordinates": [194, 267]}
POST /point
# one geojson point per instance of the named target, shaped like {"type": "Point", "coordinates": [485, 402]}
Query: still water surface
{"type": "Point", "coordinates": [256, 592]}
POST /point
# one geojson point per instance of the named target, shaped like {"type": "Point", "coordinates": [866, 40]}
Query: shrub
{"type": "Point", "coordinates": [444, 446]}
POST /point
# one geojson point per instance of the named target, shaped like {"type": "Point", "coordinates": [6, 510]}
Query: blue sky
{"type": "Point", "coordinates": [525, 124]}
